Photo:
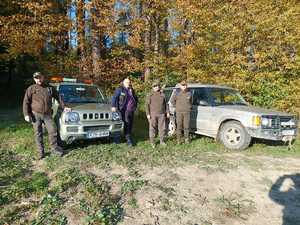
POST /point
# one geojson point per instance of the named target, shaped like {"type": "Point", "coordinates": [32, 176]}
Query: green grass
{"type": "Point", "coordinates": [46, 192]}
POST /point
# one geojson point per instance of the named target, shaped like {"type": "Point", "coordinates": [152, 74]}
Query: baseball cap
{"type": "Point", "coordinates": [37, 74]}
{"type": "Point", "coordinates": [156, 83]}
{"type": "Point", "coordinates": [183, 83]}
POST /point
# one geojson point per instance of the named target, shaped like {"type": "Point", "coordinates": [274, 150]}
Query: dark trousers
{"type": "Point", "coordinates": [183, 124]}
{"type": "Point", "coordinates": [157, 122]}
{"type": "Point", "coordinates": [37, 122]}
{"type": "Point", "coordinates": [127, 117]}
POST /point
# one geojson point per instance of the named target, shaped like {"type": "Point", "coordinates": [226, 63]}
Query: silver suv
{"type": "Point", "coordinates": [222, 113]}
{"type": "Point", "coordinates": [91, 115]}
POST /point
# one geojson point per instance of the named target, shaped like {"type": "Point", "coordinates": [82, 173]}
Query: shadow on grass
{"type": "Point", "coordinates": [269, 142]}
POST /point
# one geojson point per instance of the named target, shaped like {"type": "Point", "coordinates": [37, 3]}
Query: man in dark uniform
{"type": "Point", "coordinates": [182, 101]}
{"type": "Point", "coordinates": [125, 101]}
{"type": "Point", "coordinates": [37, 109]}
{"type": "Point", "coordinates": [156, 111]}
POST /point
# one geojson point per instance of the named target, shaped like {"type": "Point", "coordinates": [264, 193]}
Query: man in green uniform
{"type": "Point", "coordinates": [182, 101]}
{"type": "Point", "coordinates": [156, 111]}
{"type": "Point", "coordinates": [37, 109]}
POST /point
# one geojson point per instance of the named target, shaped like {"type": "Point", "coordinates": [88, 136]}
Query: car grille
{"type": "Point", "coordinates": [95, 116]}
{"type": "Point", "coordinates": [281, 122]}
{"type": "Point", "coordinates": [96, 128]}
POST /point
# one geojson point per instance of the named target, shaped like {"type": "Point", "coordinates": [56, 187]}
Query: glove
{"type": "Point", "coordinates": [28, 119]}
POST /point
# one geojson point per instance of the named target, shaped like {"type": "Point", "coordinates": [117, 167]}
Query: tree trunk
{"type": "Point", "coordinates": [10, 73]}
{"type": "Point", "coordinates": [81, 34]}
{"type": "Point", "coordinates": [156, 38]}
{"type": "Point", "coordinates": [147, 46]}
{"type": "Point", "coordinates": [165, 39]}
{"type": "Point", "coordinates": [97, 39]}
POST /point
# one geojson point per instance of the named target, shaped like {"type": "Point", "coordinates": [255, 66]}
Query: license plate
{"type": "Point", "coordinates": [288, 132]}
{"type": "Point", "coordinates": [97, 134]}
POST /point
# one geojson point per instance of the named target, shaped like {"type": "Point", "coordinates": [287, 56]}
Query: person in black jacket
{"type": "Point", "coordinates": [37, 109]}
{"type": "Point", "coordinates": [125, 101]}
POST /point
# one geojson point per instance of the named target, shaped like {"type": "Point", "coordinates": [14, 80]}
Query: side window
{"type": "Point", "coordinates": [217, 96]}
{"type": "Point", "coordinates": [199, 96]}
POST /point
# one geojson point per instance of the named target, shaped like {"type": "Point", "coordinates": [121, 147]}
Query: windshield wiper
{"type": "Point", "coordinates": [229, 103]}
{"type": "Point", "coordinates": [240, 103]}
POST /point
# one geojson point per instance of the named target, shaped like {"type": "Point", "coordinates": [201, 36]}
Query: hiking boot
{"type": "Point", "coordinates": [152, 145]}
{"type": "Point", "coordinates": [129, 142]}
{"type": "Point", "coordinates": [42, 156]}
{"type": "Point", "coordinates": [58, 151]}
{"type": "Point", "coordinates": [187, 141]}
{"type": "Point", "coordinates": [162, 143]}
{"type": "Point", "coordinates": [117, 139]}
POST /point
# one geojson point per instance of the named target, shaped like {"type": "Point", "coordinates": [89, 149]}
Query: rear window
{"type": "Point", "coordinates": [168, 93]}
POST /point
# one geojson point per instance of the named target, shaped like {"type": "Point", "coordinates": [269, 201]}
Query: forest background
{"type": "Point", "coordinates": [252, 45]}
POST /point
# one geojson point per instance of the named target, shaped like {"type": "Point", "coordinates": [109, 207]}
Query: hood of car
{"type": "Point", "coordinates": [85, 107]}
{"type": "Point", "coordinates": [253, 109]}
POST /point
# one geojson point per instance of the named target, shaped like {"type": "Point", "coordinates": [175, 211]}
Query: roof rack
{"type": "Point", "coordinates": [59, 79]}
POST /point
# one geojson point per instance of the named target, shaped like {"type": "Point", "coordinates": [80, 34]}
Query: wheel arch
{"type": "Point", "coordinates": [225, 121]}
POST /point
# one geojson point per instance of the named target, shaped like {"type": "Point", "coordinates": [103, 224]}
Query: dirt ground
{"type": "Point", "coordinates": [233, 190]}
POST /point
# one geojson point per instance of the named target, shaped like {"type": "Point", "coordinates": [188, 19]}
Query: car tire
{"type": "Point", "coordinates": [61, 143]}
{"type": "Point", "coordinates": [116, 138]}
{"type": "Point", "coordinates": [234, 136]}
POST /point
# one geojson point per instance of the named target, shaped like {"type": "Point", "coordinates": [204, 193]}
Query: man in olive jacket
{"type": "Point", "coordinates": [37, 109]}
{"type": "Point", "coordinates": [156, 111]}
{"type": "Point", "coordinates": [182, 101]}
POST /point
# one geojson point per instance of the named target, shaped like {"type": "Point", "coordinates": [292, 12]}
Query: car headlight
{"type": "Point", "coordinates": [72, 117]}
{"type": "Point", "coordinates": [115, 116]}
{"type": "Point", "coordinates": [266, 122]}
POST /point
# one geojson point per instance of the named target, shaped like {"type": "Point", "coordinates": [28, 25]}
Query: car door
{"type": "Point", "coordinates": [202, 113]}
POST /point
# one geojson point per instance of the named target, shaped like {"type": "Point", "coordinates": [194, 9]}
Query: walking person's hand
{"type": "Point", "coordinates": [148, 117]}
{"type": "Point", "coordinates": [67, 109]}
{"type": "Point", "coordinates": [28, 119]}
{"type": "Point", "coordinates": [113, 109]}
{"type": "Point", "coordinates": [168, 115]}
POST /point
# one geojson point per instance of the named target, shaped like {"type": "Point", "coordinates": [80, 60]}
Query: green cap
{"type": "Point", "coordinates": [37, 74]}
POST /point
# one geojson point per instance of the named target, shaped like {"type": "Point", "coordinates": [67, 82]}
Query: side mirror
{"type": "Point", "coordinates": [203, 103]}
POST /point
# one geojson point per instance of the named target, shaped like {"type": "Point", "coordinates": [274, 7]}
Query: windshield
{"type": "Point", "coordinates": [222, 96]}
{"type": "Point", "coordinates": [81, 94]}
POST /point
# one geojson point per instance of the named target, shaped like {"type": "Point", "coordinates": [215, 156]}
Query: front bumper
{"type": "Point", "coordinates": [273, 134]}
{"type": "Point", "coordinates": [106, 129]}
